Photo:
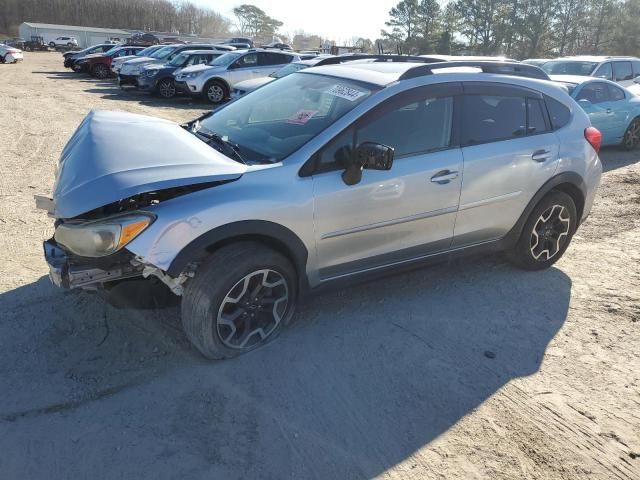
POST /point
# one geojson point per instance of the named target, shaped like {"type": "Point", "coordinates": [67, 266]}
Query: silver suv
{"type": "Point", "coordinates": [622, 70]}
{"type": "Point", "coordinates": [215, 81]}
{"type": "Point", "coordinates": [329, 174]}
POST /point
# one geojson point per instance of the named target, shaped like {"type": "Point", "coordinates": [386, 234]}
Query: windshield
{"type": "Point", "coordinates": [289, 69]}
{"type": "Point", "coordinates": [164, 52]}
{"type": "Point", "coordinates": [276, 120]}
{"type": "Point", "coordinates": [225, 59]}
{"type": "Point", "coordinates": [179, 59]}
{"type": "Point", "coordinates": [146, 51]}
{"type": "Point", "coordinates": [569, 67]}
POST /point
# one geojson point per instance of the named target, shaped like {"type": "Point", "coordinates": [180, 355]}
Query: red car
{"type": "Point", "coordinates": [99, 64]}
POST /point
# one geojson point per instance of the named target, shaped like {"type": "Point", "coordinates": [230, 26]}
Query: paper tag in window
{"type": "Point", "coordinates": [345, 92]}
{"type": "Point", "coordinates": [301, 117]}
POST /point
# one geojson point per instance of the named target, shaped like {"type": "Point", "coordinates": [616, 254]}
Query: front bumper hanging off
{"type": "Point", "coordinates": [69, 273]}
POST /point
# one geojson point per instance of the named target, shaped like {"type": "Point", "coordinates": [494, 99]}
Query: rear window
{"type": "Point", "coordinates": [559, 113]}
{"type": "Point", "coordinates": [622, 71]}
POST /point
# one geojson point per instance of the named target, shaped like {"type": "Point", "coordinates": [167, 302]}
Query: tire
{"type": "Point", "coordinates": [70, 45]}
{"type": "Point", "coordinates": [546, 233]}
{"type": "Point", "coordinates": [52, 44]}
{"type": "Point", "coordinates": [221, 289]}
{"type": "Point", "coordinates": [215, 92]}
{"type": "Point", "coordinates": [166, 88]}
{"type": "Point", "coordinates": [100, 71]}
{"type": "Point", "coordinates": [3, 60]}
{"type": "Point", "coordinates": [631, 138]}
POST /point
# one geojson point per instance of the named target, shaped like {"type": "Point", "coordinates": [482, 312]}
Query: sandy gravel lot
{"type": "Point", "coordinates": [389, 379]}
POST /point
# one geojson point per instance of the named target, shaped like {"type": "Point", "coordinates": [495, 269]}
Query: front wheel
{"type": "Point", "coordinates": [215, 92]}
{"type": "Point", "coordinates": [52, 44]}
{"type": "Point", "coordinates": [100, 71]}
{"type": "Point", "coordinates": [166, 88]}
{"type": "Point", "coordinates": [240, 299]}
{"type": "Point", "coordinates": [631, 139]}
{"type": "Point", "coordinates": [546, 233]}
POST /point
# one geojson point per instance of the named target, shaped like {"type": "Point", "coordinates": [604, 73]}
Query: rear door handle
{"type": "Point", "coordinates": [445, 176]}
{"type": "Point", "coordinates": [541, 155]}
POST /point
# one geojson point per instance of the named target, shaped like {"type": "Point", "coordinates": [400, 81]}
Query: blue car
{"type": "Point", "coordinates": [612, 109]}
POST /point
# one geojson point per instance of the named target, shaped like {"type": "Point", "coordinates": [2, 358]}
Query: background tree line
{"type": "Point", "coordinates": [156, 15]}
{"type": "Point", "coordinates": [515, 28]}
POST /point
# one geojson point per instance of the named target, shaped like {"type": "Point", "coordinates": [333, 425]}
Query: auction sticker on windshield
{"type": "Point", "coordinates": [301, 117]}
{"type": "Point", "coordinates": [345, 92]}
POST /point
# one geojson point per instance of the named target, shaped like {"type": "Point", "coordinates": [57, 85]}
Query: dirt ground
{"type": "Point", "coordinates": [468, 370]}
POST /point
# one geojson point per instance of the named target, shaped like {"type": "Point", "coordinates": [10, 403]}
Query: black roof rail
{"type": "Point", "coordinates": [504, 68]}
{"type": "Point", "coordinates": [378, 58]}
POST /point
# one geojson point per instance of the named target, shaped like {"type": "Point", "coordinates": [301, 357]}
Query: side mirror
{"type": "Point", "coordinates": [637, 79]}
{"type": "Point", "coordinates": [370, 155]}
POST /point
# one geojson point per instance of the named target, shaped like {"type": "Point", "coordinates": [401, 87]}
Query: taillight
{"type": "Point", "coordinates": [594, 137]}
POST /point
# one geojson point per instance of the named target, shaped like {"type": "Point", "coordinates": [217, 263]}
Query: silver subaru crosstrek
{"type": "Point", "coordinates": [329, 174]}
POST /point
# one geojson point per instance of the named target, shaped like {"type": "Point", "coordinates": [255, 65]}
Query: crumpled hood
{"type": "Point", "coordinates": [253, 83]}
{"type": "Point", "coordinates": [115, 155]}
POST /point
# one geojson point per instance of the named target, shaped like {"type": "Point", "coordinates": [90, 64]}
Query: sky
{"type": "Point", "coordinates": [338, 20]}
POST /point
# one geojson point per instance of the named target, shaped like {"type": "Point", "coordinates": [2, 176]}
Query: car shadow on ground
{"type": "Point", "coordinates": [367, 376]}
{"type": "Point", "coordinates": [613, 158]}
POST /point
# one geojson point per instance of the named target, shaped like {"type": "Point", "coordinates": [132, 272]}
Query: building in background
{"type": "Point", "coordinates": [86, 36]}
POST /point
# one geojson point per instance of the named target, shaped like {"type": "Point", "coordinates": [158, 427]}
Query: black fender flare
{"type": "Point", "coordinates": [564, 178]}
{"type": "Point", "coordinates": [272, 233]}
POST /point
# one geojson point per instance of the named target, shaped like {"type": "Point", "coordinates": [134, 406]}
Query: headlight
{"type": "Point", "coordinates": [192, 74]}
{"type": "Point", "coordinates": [150, 73]}
{"type": "Point", "coordinates": [102, 237]}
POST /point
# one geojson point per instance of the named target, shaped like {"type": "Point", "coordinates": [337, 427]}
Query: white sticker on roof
{"type": "Point", "coordinates": [345, 92]}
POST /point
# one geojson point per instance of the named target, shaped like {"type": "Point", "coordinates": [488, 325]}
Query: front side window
{"type": "Point", "coordinates": [246, 61]}
{"type": "Point", "coordinates": [278, 118]}
{"type": "Point", "coordinates": [604, 71]}
{"type": "Point", "coordinates": [622, 71]}
{"type": "Point", "coordinates": [410, 123]}
{"type": "Point", "coordinates": [596, 92]}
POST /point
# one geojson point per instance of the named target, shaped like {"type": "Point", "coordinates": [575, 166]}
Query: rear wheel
{"type": "Point", "coordinates": [546, 234]}
{"type": "Point", "coordinates": [631, 139]}
{"type": "Point", "coordinates": [166, 88]}
{"type": "Point", "coordinates": [215, 92]}
{"type": "Point", "coordinates": [240, 299]}
{"type": "Point", "coordinates": [100, 71]}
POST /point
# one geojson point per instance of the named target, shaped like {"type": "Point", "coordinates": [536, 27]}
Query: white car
{"type": "Point", "coordinates": [216, 81]}
{"type": "Point", "coordinates": [10, 54]}
{"type": "Point", "coordinates": [63, 42]}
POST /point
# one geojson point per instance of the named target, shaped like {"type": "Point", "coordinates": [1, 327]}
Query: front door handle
{"type": "Point", "coordinates": [541, 155]}
{"type": "Point", "coordinates": [609, 111]}
{"type": "Point", "coordinates": [444, 176]}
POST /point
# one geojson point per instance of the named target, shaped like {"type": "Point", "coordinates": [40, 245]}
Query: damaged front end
{"type": "Point", "coordinates": [113, 172]}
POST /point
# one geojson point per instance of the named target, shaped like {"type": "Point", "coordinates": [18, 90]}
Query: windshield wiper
{"type": "Point", "coordinates": [225, 146]}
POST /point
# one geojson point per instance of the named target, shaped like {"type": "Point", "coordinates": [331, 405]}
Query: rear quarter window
{"type": "Point", "coordinates": [558, 113]}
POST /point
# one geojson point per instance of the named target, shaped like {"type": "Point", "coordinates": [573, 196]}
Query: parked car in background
{"type": "Point", "coordinates": [15, 42]}
{"type": "Point", "coordinates": [117, 63]}
{"type": "Point", "coordinates": [68, 42]}
{"type": "Point", "coordinates": [10, 54]}
{"type": "Point", "coordinates": [234, 41]}
{"type": "Point", "coordinates": [538, 62]}
{"type": "Point", "coordinates": [132, 68]}
{"type": "Point", "coordinates": [277, 46]}
{"type": "Point", "coordinates": [36, 44]}
{"type": "Point", "coordinates": [143, 38]}
{"type": "Point", "coordinates": [612, 109]}
{"type": "Point", "coordinates": [159, 78]}
{"type": "Point", "coordinates": [99, 64]}
{"type": "Point", "coordinates": [242, 88]}
{"type": "Point", "coordinates": [621, 70]}
{"type": "Point", "coordinates": [71, 57]}
{"type": "Point", "coordinates": [215, 81]}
